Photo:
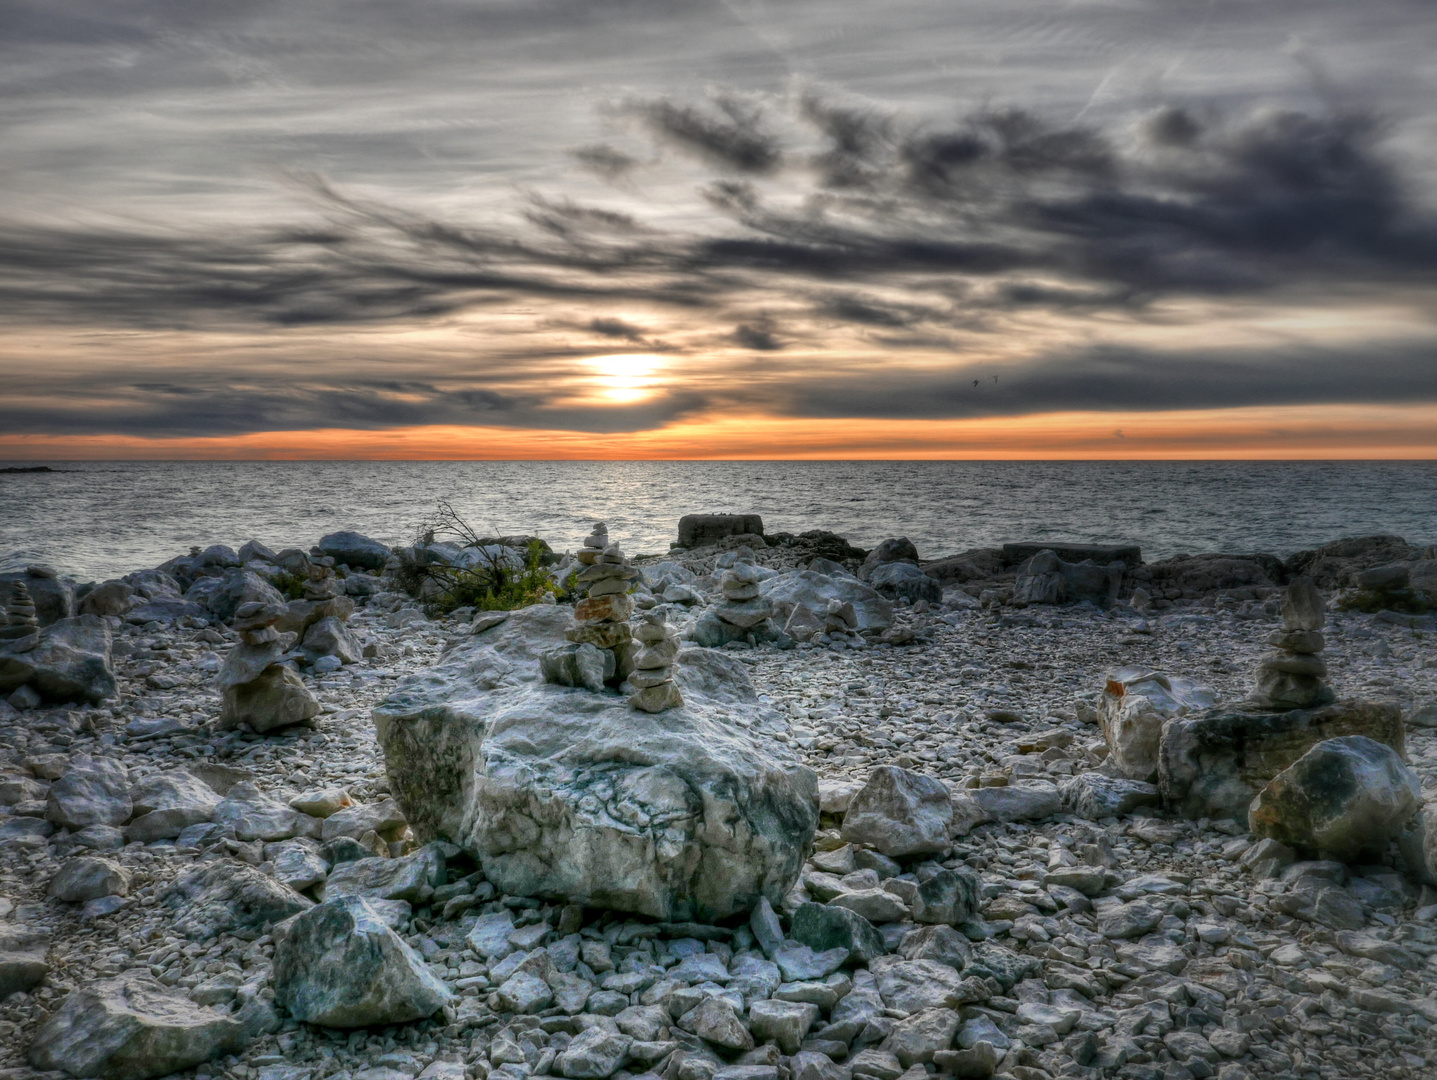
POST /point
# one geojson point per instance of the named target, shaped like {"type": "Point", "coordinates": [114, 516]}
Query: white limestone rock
{"type": "Point", "coordinates": [694, 812]}
{"type": "Point", "coordinates": [1135, 704]}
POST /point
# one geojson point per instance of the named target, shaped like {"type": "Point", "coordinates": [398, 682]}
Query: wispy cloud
{"type": "Point", "coordinates": [371, 248]}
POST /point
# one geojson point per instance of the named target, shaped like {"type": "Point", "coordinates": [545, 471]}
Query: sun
{"type": "Point", "coordinates": [625, 378]}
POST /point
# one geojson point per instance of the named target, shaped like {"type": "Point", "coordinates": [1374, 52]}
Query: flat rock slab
{"type": "Point", "coordinates": [131, 1029]}
{"type": "Point", "coordinates": [1212, 763]}
{"type": "Point", "coordinates": [70, 662]}
{"type": "Point", "coordinates": [692, 813]}
{"type": "Point", "coordinates": [224, 896]}
{"type": "Point", "coordinates": [699, 529]}
{"type": "Point", "coordinates": [22, 960]}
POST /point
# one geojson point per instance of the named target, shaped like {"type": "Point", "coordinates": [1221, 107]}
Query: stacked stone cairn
{"type": "Point", "coordinates": [321, 583]}
{"type": "Point", "coordinates": [260, 691]}
{"type": "Point", "coordinates": [601, 619]}
{"type": "Point", "coordinates": [20, 620]}
{"type": "Point", "coordinates": [655, 663]}
{"type": "Point", "coordinates": [743, 615]}
{"type": "Point", "coordinates": [840, 621]}
{"type": "Point", "coordinates": [1293, 676]}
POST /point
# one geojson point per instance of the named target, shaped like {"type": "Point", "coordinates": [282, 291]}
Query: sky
{"type": "Point", "coordinates": [743, 228]}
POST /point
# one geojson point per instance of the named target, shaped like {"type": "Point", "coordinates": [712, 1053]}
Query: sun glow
{"type": "Point", "coordinates": [627, 377]}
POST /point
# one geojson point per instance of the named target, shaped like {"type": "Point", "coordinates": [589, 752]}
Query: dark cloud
{"type": "Point", "coordinates": [617, 328]}
{"type": "Point", "coordinates": [728, 132]}
{"type": "Point", "coordinates": [1108, 378]}
{"type": "Point", "coordinates": [1048, 216]}
{"type": "Point", "coordinates": [219, 407]}
{"type": "Point", "coordinates": [605, 161]}
{"type": "Point", "coordinates": [758, 336]}
{"type": "Point", "coordinates": [857, 140]}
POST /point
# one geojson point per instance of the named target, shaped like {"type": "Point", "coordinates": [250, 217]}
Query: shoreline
{"type": "Point", "coordinates": [959, 693]}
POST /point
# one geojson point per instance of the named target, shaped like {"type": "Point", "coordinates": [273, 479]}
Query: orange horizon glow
{"type": "Point", "coordinates": [1290, 433]}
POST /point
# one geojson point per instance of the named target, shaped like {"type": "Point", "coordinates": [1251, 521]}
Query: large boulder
{"type": "Point", "coordinates": [1135, 705]}
{"type": "Point", "coordinates": [277, 698]}
{"type": "Point", "coordinates": [697, 530]}
{"type": "Point", "coordinates": [23, 962]}
{"type": "Point", "coordinates": [222, 896]}
{"type": "Point", "coordinates": [88, 877]}
{"type": "Point", "coordinates": [1095, 795]}
{"type": "Point", "coordinates": [221, 596]}
{"type": "Point", "coordinates": [1201, 575]}
{"type": "Point", "coordinates": [1344, 797]}
{"type": "Point", "coordinates": [900, 813]}
{"type": "Point", "coordinates": [1212, 763]}
{"type": "Point", "coordinates": [133, 1028]}
{"type": "Point", "coordinates": [975, 564]}
{"type": "Point", "coordinates": [1048, 579]}
{"type": "Point", "coordinates": [340, 965]}
{"type": "Point", "coordinates": [300, 615]}
{"type": "Point", "coordinates": [896, 550]}
{"type": "Point", "coordinates": [69, 662]}
{"type": "Point", "coordinates": [330, 637]}
{"type": "Point", "coordinates": [254, 814]}
{"type": "Point", "coordinates": [92, 791]}
{"type": "Point", "coordinates": [1418, 844]}
{"type": "Point", "coordinates": [803, 596]}
{"type": "Point", "coordinates": [412, 877]}
{"type": "Point", "coordinates": [354, 549]}
{"type": "Point", "coordinates": [904, 581]}
{"type": "Point", "coordinates": [108, 598]}
{"type": "Point", "coordinates": [54, 597]}
{"type": "Point", "coordinates": [1336, 565]}
{"type": "Point", "coordinates": [1130, 555]}
{"type": "Point", "coordinates": [165, 804]}
{"type": "Point", "coordinates": [695, 812]}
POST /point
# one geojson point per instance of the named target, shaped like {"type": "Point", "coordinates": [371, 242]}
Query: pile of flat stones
{"type": "Point", "coordinates": [655, 664]}
{"type": "Point", "coordinates": [602, 617]}
{"type": "Point", "coordinates": [259, 691]}
{"type": "Point", "coordinates": [20, 621]}
{"type": "Point", "coordinates": [1294, 675]}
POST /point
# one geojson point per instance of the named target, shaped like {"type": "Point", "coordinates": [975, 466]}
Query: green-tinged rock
{"type": "Point", "coordinates": [341, 966]}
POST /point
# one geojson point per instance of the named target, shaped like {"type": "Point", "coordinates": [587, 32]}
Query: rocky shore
{"type": "Point", "coordinates": [270, 816]}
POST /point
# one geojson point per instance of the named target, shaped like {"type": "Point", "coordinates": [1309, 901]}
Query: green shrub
{"type": "Point", "coordinates": [490, 586]}
{"type": "Point", "coordinates": [291, 585]}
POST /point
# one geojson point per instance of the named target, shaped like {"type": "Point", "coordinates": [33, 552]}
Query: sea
{"type": "Point", "coordinates": [95, 520]}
